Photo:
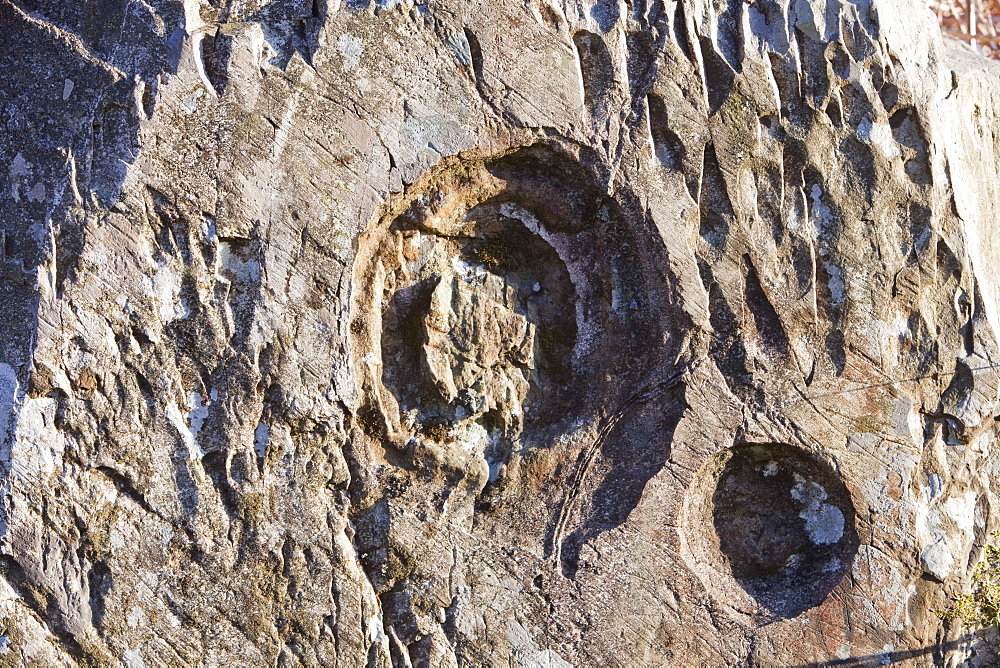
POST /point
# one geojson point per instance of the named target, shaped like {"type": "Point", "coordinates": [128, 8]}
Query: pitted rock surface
{"type": "Point", "coordinates": [439, 332]}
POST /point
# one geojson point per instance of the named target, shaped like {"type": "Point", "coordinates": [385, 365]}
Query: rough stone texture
{"type": "Point", "coordinates": [526, 332]}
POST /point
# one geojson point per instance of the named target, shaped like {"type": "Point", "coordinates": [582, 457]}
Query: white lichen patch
{"type": "Point", "coordinates": [467, 271]}
{"type": "Point", "coordinates": [937, 558]}
{"type": "Point", "coordinates": [177, 420]}
{"type": "Point", "coordinates": [132, 658]}
{"type": "Point", "coordinates": [878, 135]}
{"type": "Point", "coordinates": [824, 522]}
{"type": "Point", "coordinates": [962, 510]}
{"type": "Point", "coordinates": [934, 487]}
{"type": "Point", "coordinates": [198, 413]}
{"type": "Point", "coordinates": [350, 48]}
{"type": "Point", "coordinates": [261, 437]}
{"type": "Point", "coordinates": [8, 398]}
{"type": "Point", "coordinates": [472, 437]}
{"type": "Point", "coordinates": [807, 491]}
{"type": "Point", "coordinates": [38, 446]}
{"type": "Point", "coordinates": [233, 267]}
{"type": "Point", "coordinates": [190, 105]}
{"type": "Point", "coordinates": [820, 212]}
{"type": "Point", "coordinates": [164, 288]}
{"type": "Point", "coordinates": [135, 618]}
{"type": "Point", "coordinates": [944, 528]}
{"type": "Point", "coordinates": [37, 193]}
{"type": "Point", "coordinates": [376, 633]}
{"type": "Point", "coordinates": [548, 658]}
{"type": "Point", "coordinates": [208, 230]}
{"type": "Point", "coordinates": [19, 167]}
{"type": "Point", "coordinates": [280, 437]}
{"type": "Point", "coordinates": [392, 4]}
{"type": "Point", "coordinates": [836, 282]}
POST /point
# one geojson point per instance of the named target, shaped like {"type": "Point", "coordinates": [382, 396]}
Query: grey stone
{"type": "Point", "coordinates": [537, 333]}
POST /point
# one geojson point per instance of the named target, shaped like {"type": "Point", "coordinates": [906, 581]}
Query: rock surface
{"type": "Point", "coordinates": [527, 332]}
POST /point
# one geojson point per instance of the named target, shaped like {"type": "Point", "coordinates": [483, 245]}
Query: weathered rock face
{"type": "Point", "coordinates": [532, 333]}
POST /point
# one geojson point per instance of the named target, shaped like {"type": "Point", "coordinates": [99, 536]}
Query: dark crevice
{"type": "Point", "coordinates": [920, 230]}
{"type": "Point", "coordinates": [769, 327]}
{"type": "Point", "coordinates": [667, 146]}
{"type": "Point", "coordinates": [836, 348]}
{"type": "Point", "coordinates": [860, 161]}
{"type": "Point", "coordinates": [789, 86]}
{"type": "Point", "coordinates": [125, 486]}
{"type": "Point", "coordinates": [719, 75]}
{"type": "Point", "coordinates": [641, 62]}
{"type": "Point", "coordinates": [713, 199]}
{"type": "Point", "coordinates": [727, 346]}
{"type": "Point", "coordinates": [216, 468]}
{"type": "Point", "coordinates": [149, 92]}
{"type": "Point", "coordinates": [834, 112]}
{"type": "Point", "coordinates": [764, 495]}
{"type": "Point", "coordinates": [840, 61]}
{"type": "Point", "coordinates": [770, 191]}
{"type": "Point", "coordinates": [815, 68]}
{"type": "Point", "coordinates": [70, 239]}
{"type": "Point", "coordinates": [476, 53]}
{"type": "Point", "coordinates": [100, 580]}
{"type": "Point", "coordinates": [216, 51]}
{"type": "Point", "coordinates": [909, 134]}
{"type": "Point", "coordinates": [681, 33]}
{"type": "Point", "coordinates": [730, 35]}
{"type": "Point", "coordinates": [605, 13]}
{"type": "Point", "coordinates": [889, 95]}
{"type": "Point", "coordinates": [597, 70]}
{"type": "Point", "coordinates": [804, 265]}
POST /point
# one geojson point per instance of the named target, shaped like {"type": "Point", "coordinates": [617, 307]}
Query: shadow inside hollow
{"type": "Point", "coordinates": [785, 522]}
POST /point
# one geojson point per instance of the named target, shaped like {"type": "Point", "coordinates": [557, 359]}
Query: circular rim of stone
{"type": "Point", "coordinates": [771, 524]}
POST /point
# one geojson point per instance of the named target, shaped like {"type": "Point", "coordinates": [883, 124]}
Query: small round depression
{"type": "Point", "coordinates": [785, 523]}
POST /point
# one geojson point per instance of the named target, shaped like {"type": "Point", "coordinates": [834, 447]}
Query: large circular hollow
{"type": "Point", "coordinates": [498, 264]}
{"type": "Point", "coordinates": [785, 523]}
